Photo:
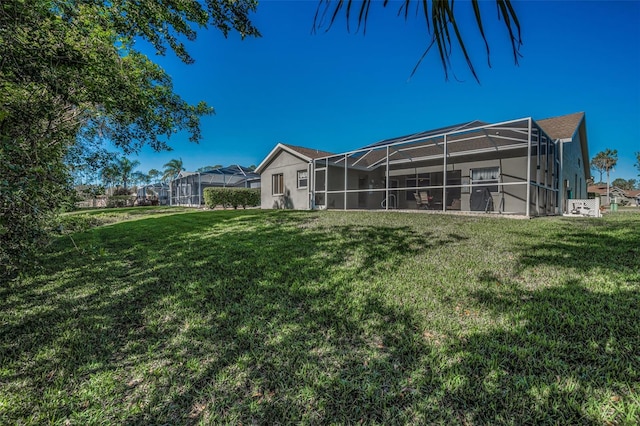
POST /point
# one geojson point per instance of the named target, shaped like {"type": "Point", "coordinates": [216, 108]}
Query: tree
{"type": "Point", "coordinates": [603, 162]}
{"type": "Point", "coordinates": [154, 175]}
{"type": "Point", "coordinates": [120, 172]}
{"type": "Point", "coordinates": [109, 175]}
{"type": "Point", "coordinates": [638, 162]}
{"type": "Point", "coordinates": [70, 76]}
{"type": "Point", "coordinates": [599, 164]}
{"type": "Point", "coordinates": [625, 184]}
{"type": "Point", "coordinates": [126, 169]}
{"type": "Point", "coordinates": [442, 29]}
{"type": "Point", "coordinates": [172, 169]}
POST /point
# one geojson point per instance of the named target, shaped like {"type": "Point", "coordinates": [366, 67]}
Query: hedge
{"type": "Point", "coordinates": [231, 197]}
{"type": "Point", "coordinates": [121, 201]}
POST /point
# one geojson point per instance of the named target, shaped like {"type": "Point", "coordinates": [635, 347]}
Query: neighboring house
{"type": "Point", "coordinates": [621, 196]}
{"type": "Point", "coordinates": [187, 189]}
{"type": "Point", "coordinates": [635, 196]}
{"type": "Point", "coordinates": [154, 191]}
{"type": "Point", "coordinates": [516, 167]}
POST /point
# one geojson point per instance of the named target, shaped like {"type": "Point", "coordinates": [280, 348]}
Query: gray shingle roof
{"type": "Point", "coordinates": [309, 152]}
{"type": "Point", "coordinates": [428, 133]}
{"type": "Point", "coordinates": [562, 127]}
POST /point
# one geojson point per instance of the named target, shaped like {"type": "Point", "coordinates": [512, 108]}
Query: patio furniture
{"type": "Point", "coordinates": [423, 199]}
{"type": "Point", "coordinates": [481, 200]}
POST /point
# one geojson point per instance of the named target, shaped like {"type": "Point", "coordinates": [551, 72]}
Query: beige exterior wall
{"type": "Point", "coordinates": [511, 170]}
{"type": "Point", "coordinates": [574, 170]}
{"type": "Point", "coordinates": [292, 197]}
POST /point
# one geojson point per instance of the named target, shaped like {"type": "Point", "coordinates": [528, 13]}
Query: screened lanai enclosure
{"type": "Point", "coordinates": [511, 168]}
{"type": "Point", "coordinates": [187, 189]}
{"type": "Point", "coordinates": [155, 192]}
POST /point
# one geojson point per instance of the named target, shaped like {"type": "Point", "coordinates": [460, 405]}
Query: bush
{"type": "Point", "coordinates": [231, 197]}
{"type": "Point", "coordinates": [33, 188]}
{"type": "Point", "coordinates": [75, 223]}
{"type": "Point", "coordinates": [121, 191]}
{"type": "Point", "coordinates": [120, 201]}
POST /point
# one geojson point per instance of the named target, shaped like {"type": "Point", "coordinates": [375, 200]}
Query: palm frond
{"type": "Point", "coordinates": [442, 27]}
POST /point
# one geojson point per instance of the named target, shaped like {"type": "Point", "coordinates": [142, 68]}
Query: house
{"type": "Point", "coordinates": [154, 192]}
{"type": "Point", "coordinates": [634, 195]}
{"type": "Point", "coordinates": [621, 196]}
{"type": "Point", "coordinates": [187, 189]}
{"type": "Point", "coordinates": [570, 133]}
{"type": "Point", "coordinates": [522, 166]}
{"type": "Point", "coordinates": [286, 171]}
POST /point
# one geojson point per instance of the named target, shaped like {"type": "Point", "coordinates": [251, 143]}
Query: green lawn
{"type": "Point", "coordinates": [252, 317]}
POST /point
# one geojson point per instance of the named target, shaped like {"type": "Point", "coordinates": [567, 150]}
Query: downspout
{"type": "Point", "coordinates": [561, 181]}
{"type": "Point", "coordinates": [326, 183]}
{"type": "Point", "coordinates": [311, 181]}
{"type": "Point", "coordinates": [345, 182]}
{"type": "Point", "coordinates": [444, 177]}
{"type": "Point", "coordinates": [386, 205]}
{"type": "Point", "coordinates": [528, 206]}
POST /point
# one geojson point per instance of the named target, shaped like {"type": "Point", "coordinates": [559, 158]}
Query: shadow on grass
{"type": "Point", "coordinates": [572, 350]}
{"type": "Point", "coordinates": [262, 318]}
{"type": "Point", "coordinates": [610, 244]}
{"type": "Point", "coordinates": [229, 317]}
{"type": "Point", "coordinates": [571, 355]}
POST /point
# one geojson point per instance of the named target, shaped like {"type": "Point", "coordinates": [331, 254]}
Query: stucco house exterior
{"type": "Point", "coordinates": [570, 133]}
{"type": "Point", "coordinates": [285, 177]}
{"type": "Point", "coordinates": [522, 166]}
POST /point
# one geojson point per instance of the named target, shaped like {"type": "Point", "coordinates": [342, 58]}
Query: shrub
{"type": "Point", "coordinates": [33, 188]}
{"type": "Point", "coordinates": [121, 191]}
{"type": "Point", "coordinates": [75, 223]}
{"type": "Point", "coordinates": [120, 201]}
{"type": "Point", "coordinates": [231, 197]}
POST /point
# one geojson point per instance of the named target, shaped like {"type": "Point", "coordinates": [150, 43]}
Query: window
{"type": "Point", "coordinates": [302, 179]}
{"type": "Point", "coordinates": [277, 184]}
{"type": "Point", "coordinates": [414, 182]}
{"type": "Point", "coordinates": [486, 175]}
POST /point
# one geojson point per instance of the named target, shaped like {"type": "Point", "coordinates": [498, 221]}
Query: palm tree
{"type": "Point", "coordinates": [442, 30]}
{"type": "Point", "coordinates": [126, 169]}
{"type": "Point", "coordinates": [109, 175]}
{"type": "Point", "coordinates": [603, 162]}
{"type": "Point", "coordinates": [172, 169]}
{"type": "Point", "coordinates": [154, 174]}
{"type": "Point", "coordinates": [611, 159]}
{"type": "Point", "coordinates": [141, 178]}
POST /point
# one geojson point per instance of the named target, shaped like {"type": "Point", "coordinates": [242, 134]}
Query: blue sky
{"type": "Point", "coordinates": [337, 91]}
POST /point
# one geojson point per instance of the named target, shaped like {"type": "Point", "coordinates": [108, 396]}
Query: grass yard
{"type": "Point", "coordinates": [253, 317]}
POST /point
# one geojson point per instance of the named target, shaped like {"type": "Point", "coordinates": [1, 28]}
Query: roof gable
{"type": "Point", "coordinates": [305, 154]}
{"type": "Point", "coordinates": [563, 127]}
{"type": "Point", "coordinates": [308, 153]}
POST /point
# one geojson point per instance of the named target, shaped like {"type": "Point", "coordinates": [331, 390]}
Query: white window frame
{"type": "Point", "coordinates": [306, 179]}
{"type": "Point", "coordinates": [492, 183]}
